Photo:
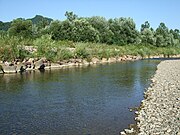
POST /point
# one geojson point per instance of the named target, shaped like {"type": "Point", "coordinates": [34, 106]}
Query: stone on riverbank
{"type": "Point", "coordinates": [160, 111]}
{"type": "Point", "coordinates": [9, 69]}
{"type": "Point", "coordinates": [39, 63]}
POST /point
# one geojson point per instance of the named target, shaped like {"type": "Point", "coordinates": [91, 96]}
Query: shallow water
{"type": "Point", "coordinates": [90, 100]}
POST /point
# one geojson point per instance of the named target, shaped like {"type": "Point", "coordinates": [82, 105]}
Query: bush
{"type": "Point", "coordinates": [64, 54]}
{"type": "Point", "coordinates": [45, 45]}
{"type": "Point", "coordinates": [81, 52]}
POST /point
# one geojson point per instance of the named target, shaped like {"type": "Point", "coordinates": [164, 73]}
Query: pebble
{"type": "Point", "coordinates": [158, 114]}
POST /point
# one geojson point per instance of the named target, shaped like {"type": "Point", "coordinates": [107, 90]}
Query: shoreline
{"type": "Point", "coordinates": [33, 64]}
{"type": "Point", "coordinates": [159, 112]}
{"type": "Point", "coordinates": [42, 64]}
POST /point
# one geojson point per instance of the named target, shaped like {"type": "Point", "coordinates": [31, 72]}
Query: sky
{"type": "Point", "coordinates": [154, 11]}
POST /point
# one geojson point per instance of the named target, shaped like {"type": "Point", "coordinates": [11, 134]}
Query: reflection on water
{"type": "Point", "coordinates": [90, 100]}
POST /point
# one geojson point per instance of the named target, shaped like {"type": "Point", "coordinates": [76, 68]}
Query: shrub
{"type": "Point", "coordinates": [64, 54]}
{"type": "Point", "coordinates": [81, 52]}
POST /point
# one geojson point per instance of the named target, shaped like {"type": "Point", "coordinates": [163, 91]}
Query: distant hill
{"type": "Point", "coordinates": [4, 25]}
{"type": "Point", "coordinates": [36, 20]}
{"type": "Point", "coordinates": [39, 18]}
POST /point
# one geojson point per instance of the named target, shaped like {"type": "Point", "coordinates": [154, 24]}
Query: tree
{"type": "Point", "coordinates": [71, 16]}
{"type": "Point", "coordinates": [21, 27]}
{"type": "Point", "coordinates": [124, 31]}
{"type": "Point", "coordinates": [163, 36]}
{"type": "Point", "coordinates": [55, 30]}
{"type": "Point", "coordinates": [83, 31]}
{"type": "Point", "coordinates": [176, 36]}
{"type": "Point", "coordinates": [102, 26]}
{"type": "Point", "coordinates": [146, 25]}
{"type": "Point", "coordinates": [147, 34]}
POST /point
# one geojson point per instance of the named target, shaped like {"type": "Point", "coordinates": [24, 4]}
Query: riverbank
{"type": "Point", "coordinates": [160, 110]}
{"type": "Point", "coordinates": [33, 64]}
{"type": "Point", "coordinates": [44, 64]}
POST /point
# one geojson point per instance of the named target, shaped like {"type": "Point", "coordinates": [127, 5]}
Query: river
{"type": "Point", "coordinates": [93, 100]}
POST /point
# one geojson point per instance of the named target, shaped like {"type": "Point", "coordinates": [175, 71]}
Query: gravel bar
{"type": "Point", "coordinates": [159, 113]}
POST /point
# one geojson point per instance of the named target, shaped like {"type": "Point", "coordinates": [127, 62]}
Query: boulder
{"type": "Point", "coordinates": [104, 60]}
{"type": "Point", "coordinates": [55, 65]}
{"type": "Point", "coordinates": [122, 133]}
{"type": "Point", "coordinates": [21, 68]}
{"type": "Point", "coordinates": [119, 58]}
{"type": "Point", "coordinates": [42, 67]}
{"type": "Point", "coordinates": [84, 62]}
{"type": "Point", "coordinates": [129, 131]}
{"type": "Point", "coordinates": [1, 69]}
{"type": "Point", "coordinates": [39, 63]}
{"type": "Point", "coordinates": [31, 60]}
{"type": "Point", "coordinates": [110, 60]}
{"type": "Point", "coordinates": [95, 60]}
{"type": "Point", "coordinates": [9, 69]}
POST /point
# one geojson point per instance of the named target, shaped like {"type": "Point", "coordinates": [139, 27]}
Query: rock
{"type": "Point", "coordinates": [54, 65]}
{"type": "Point", "coordinates": [169, 130]}
{"type": "Point", "coordinates": [104, 60]}
{"type": "Point", "coordinates": [22, 69]}
{"type": "Point", "coordinates": [130, 109]}
{"type": "Point", "coordinates": [122, 133]}
{"type": "Point", "coordinates": [110, 60]}
{"type": "Point", "coordinates": [78, 60]}
{"type": "Point", "coordinates": [95, 60]}
{"type": "Point", "coordinates": [30, 49]}
{"type": "Point", "coordinates": [159, 112]}
{"type": "Point", "coordinates": [31, 60]}
{"type": "Point", "coordinates": [119, 59]}
{"type": "Point", "coordinates": [129, 131]}
{"type": "Point", "coordinates": [1, 69]}
{"type": "Point", "coordinates": [42, 67]}
{"type": "Point", "coordinates": [85, 62]}
{"type": "Point", "coordinates": [20, 66]}
{"type": "Point", "coordinates": [39, 63]}
{"type": "Point", "coordinates": [9, 69]}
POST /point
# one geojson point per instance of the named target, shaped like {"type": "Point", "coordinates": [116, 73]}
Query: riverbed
{"type": "Point", "coordinates": [93, 100]}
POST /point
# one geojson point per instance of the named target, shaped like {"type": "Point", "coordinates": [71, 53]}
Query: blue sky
{"type": "Point", "coordinates": [155, 11]}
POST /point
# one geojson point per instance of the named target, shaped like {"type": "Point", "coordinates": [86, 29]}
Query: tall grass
{"type": "Point", "coordinates": [13, 48]}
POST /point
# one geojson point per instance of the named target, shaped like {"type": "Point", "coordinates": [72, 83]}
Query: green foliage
{"type": "Point", "coordinates": [38, 19]}
{"type": "Point", "coordinates": [83, 31]}
{"type": "Point", "coordinates": [101, 25]}
{"type": "Point", "coordinates": [144, 26]}
{"type": "Point", "coordinates": [4, 26]}
{"type": "Point", "coordinates": [81, 52]}
{"type": "Point", "coordinates": [64, 54]}
{"type": "Point", "coordinates": [71, 16]}
{"type": "Point", "coordinates": [147, 34]}
{"type": "Point", "coordinates": [124, 31]}
{"type": "Point", "coordinates": [80, 37]}
{"type": "Point", "coordinates": [163, 36]}
{"type": "Point", "coordinates": [21, 28]}
{"type": "Point", "coordinates": [45, 46]}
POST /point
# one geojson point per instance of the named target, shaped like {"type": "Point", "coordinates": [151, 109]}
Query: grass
{"type": "Point", "coordinates": [12, 48]}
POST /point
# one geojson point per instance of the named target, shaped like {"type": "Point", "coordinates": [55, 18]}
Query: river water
{"type": "Point", "coordinates": [92, 100]}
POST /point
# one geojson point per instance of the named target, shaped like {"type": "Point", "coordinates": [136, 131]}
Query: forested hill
{"type": "Point", "coordinates": [5, 25]}
{"type": "Point", "coordinates": [37, 20]}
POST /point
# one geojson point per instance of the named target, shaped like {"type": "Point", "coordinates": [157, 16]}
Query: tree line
{"type": "Point", "coordinates": [96, 29]}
